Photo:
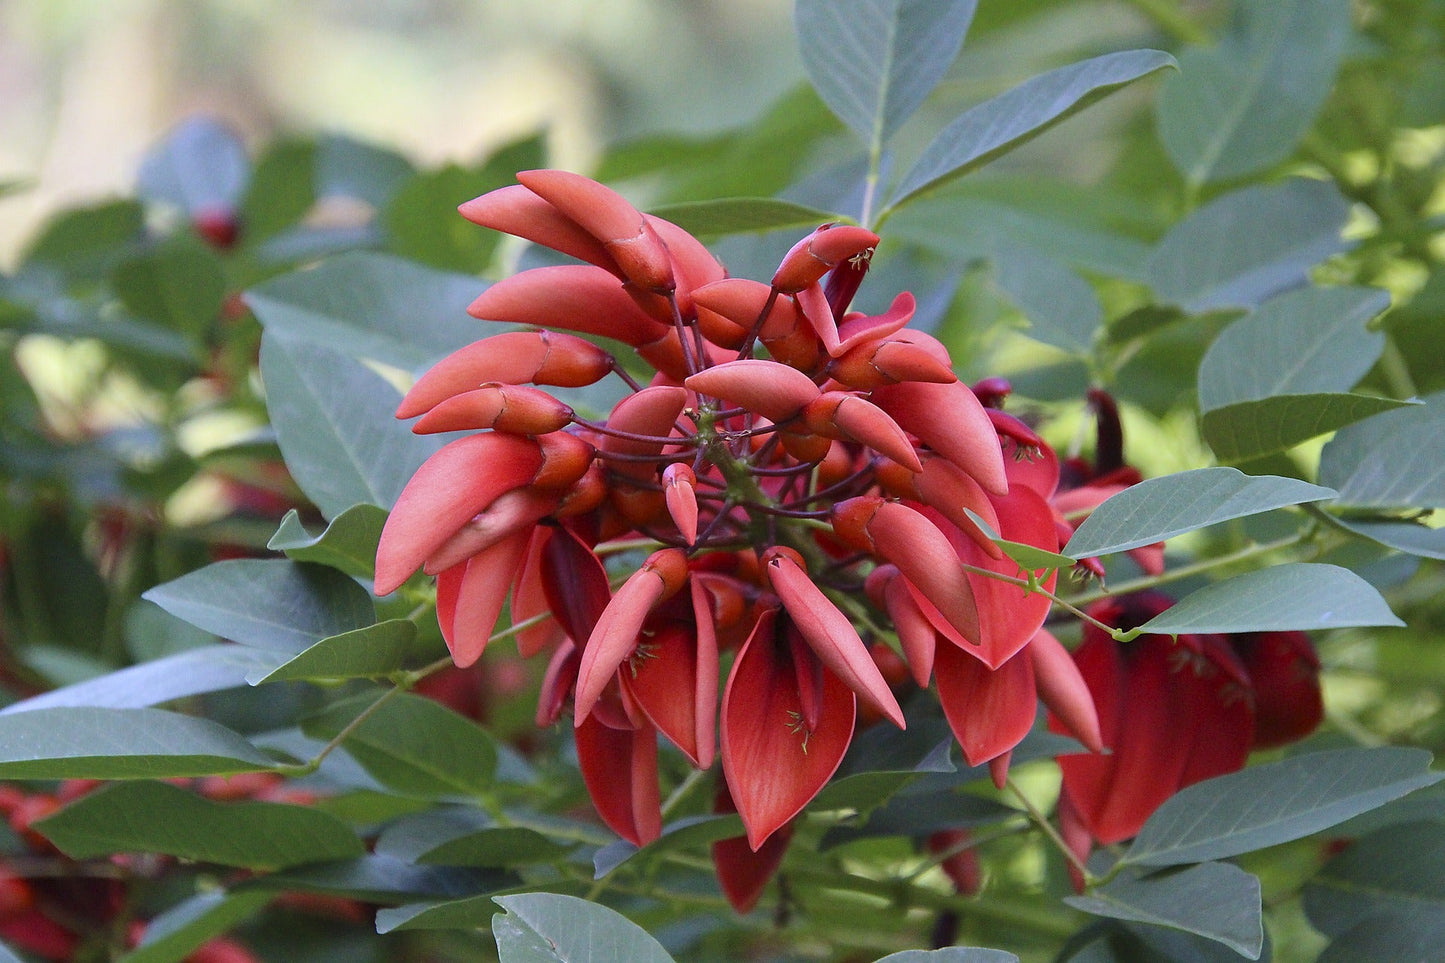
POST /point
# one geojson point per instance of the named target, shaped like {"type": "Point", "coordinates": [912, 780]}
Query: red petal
{"type": "Point", "coordinates": [516, 210]}
{"type": "Point", "coordinates": [951, 421]}
{"type": "Point", "coordinates": [483, 590]}
{"type": "Point", "coordinates": [742, 873]}
{"type": "Point", "coordinates": [619, 767]}
{"type": "Point", "coordinates": [1285, 672]}
{"type": "Point", "coordinates": [569, 297]}
{"type": "Point", "coordinates": [774, 767]}
{"type": "Point", "coordinates": [541, 357]}
{"type": "Point", "coordinates": [989, 710]}
{"type": "Point", "coordinates": [661, 678]}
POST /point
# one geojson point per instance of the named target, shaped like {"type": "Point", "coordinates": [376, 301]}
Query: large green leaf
{"type": "Point", "coordinates": [84, 742]}
{"type": "Point", "coordinates": [371, 652]}
{"type": "Point", "coordinates": [348, 542]}
{"type": "Point", "coordinates": [741, 215]}
{"type": "Point", "coordinates": [1308, 341]}
{"type": "Point", "coordinates": [457, 836]}
{"type": "Point", "coordinates": [1242, 106]}
{"type": "Point", "coordinates": [179, 286]}
{"type": "Point", "coordinates": [269, 603]}
{"type": "Point", "coordinates": [551, 928]}
{"type": "Point", "coordinates": [996, 126]}
{"type": "Point", "coordinates": [467, 913]}
{"type": "Point", "coordinates": [1384, 897]}
{"type": "Point", "coordinates": [1296, 595]}
{"type": "Point", "coordinates": [1392, 460]}
{"type": "Point", "coordinates": [876, 61]}
{"type": "Point", "coordinates": [413, 745]}
{"type": "Point", "coordinates": [211, 668]}
{"type": "Point", "coordinates": [1061, 307]}
{"type": "Point", "coordinates": [157, 817]}
{"type": "Point", "coordinates": [172, 936]}
{"type": "Point", "coordinates": [1214, 900]}
{"type": "Point", "coordinates": [1411, 537]}
{"type": "Point", "coordinates": [373, 306]}
{"type": "Point", "coordinates": [1160, 508]}
{"type": "Point", "coordinates": [336, 424]}
{"type": "Point", "coordinates": [1251, 429]}
{"type": "Point", "coordinates": [1275, 803]}
{"type": "Point", "coordinates": [1244, 247]}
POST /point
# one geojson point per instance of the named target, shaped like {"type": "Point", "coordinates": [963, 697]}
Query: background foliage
{"type": "Point", "coordinates": [1245, 252]}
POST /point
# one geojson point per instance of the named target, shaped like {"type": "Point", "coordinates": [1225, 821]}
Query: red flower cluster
{"type": "Point", "coordinates": [773, 489]}
{"type": "Point", "coordinates": [795, 470]}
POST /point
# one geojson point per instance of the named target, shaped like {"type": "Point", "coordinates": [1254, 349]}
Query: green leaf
{"type": "Point", "coordinates": [84, 742]}
{"type": "Point", "coordinates": [371, 652]}
{"type": "Point", "coordinates": [156, 817]}
{"type": "Point", "coordinates": [455, 836]}
{"type": "Point", "coordinates": [1411, 537]}
{"type": "Point", "coordinates": [1160, 508]}
{"type": "Point", "coordinates": [997, 126]}
{"type": "Point", "coordinates": [172, 936]}
{"type": "Point", "coordinates": [573, 931]}
{"type": "Point", "coordinates": [1390, 460]}
{"type": "Point", "coordinates": [1383, 898]}
{"type": "Point", "coordinates": [382, 879]}
{"type": "Point", "coordinates": [348, 542]}
{"type": "Point", "coordinates": [875, 62]}
{"type": "Point", "coordinates": [468, 913]}
{"type": "Point", "coordinates": [347, 167]}
{"type": "Point", "coordinates": [200, 166]}
{"type": "Point", "coordinates": [742, 215]}
{"type": "Point", "coordinates": [1244, 247]}
{"type": "Point", "coordinates": [212, 668]}
{"type": "Point", "coordinates": [374, 306]}
{"type": "Point", "coordinates": [269, 603]}
{"type": "Point", "coordinates": [690, 831]}
{"type": "Point", "coordinates": [84, 242]}
{"type": "Point", "coordinates": [413, 745]}
{"type": "Point", "coordinates": [1250, 429]}
{"type": "Point", "coordinates": [1275, 803]}
{"type": "Point", "coordinates": [336, 425]}
{"type": "Point", "coordinates": [1061, 307]}
{"type": "Point", "coordinates": [1308, 341]}
{"type": "Point", "coordinates": [1215, 900]}
{"type": "Point", "coordinates": [179, 286]}
{"type": "Point", "coordinates": [1242, 106]}
{"type": "Point", "coordinates": [951, 954]}
{"type": "Point", "coordinates": [1296, 595]}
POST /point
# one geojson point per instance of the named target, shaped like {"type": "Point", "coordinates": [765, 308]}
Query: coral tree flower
{"type": "Point", "coordinates": [776, 450]}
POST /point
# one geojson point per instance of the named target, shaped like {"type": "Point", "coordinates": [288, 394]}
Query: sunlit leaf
{"type": "Point", "coordinates": [1243, 105]}
{"type": "Point", "coordinates": [1274, 803]}
{"type": "Point", "coordinates": [997, 126]}
{"type": "Point", "coordinates": [156, 817]}
{"type": "Point", "coordinates": [875, 61]}
{"type": "Point", "coordinates": [1295, 595]}
{"type": "Point", "coordinates": [1215, 900]}
{"type": "Point", "coordinates": [1160, 508]}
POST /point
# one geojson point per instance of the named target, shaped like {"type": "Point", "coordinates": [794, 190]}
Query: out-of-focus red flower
{"type": "Point", "coordinates": [1284, 670]}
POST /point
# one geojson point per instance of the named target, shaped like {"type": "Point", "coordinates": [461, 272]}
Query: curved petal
{"type": "Point", "coordinates": [989, 710]}
{"type": "Point", "coordinates": [774, 765]}
{"type": "Point", "coordinates": [951, 421]}
{"type": "Point", "coordinates": [569, 297]}
{"type": "Point", "coordinates": [488, 577]}
{"type": "Point", "coordinates": [619, 767]}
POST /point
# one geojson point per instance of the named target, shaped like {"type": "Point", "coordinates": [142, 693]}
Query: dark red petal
{"type": "Point", "coordinates": [774, 765]}
{"type": "Point", "coordinates": [741, 872]}
{"type": "Point", "coordinates": [661, 677]}
{"type": "Point", "coordinates": [1285, 672]}
{"type": "Point", "coordinates": [619, 767]}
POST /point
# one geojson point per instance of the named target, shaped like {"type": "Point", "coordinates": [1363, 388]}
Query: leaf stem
{"type": "Point", "coordinates": [1253, 550]}
{"type": "Point", "coordinates": [1043, 823]}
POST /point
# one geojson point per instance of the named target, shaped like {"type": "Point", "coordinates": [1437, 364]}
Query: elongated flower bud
{"type": "Point", "coordinates": [820, 252]}
{"type": "Point", "coordinates": [840, 415]}
{"type": "Point", "coordinates": [514, 409]}
{"type": "Point", "coordinates": [570, 297]}
{"type": "Point", "coordinates": [775, 391]}
{"type": "Point", "coordinates": [615, 636]}
{"type": "Point", "coordinates": [539, 357]}
{"type": "Point", "coordinates": [518, 211]}
{"type": "Point", "coordinates": [679, 486]}
{"type": "Point", "coordinates": [951, 421]}
{"type": "Point", "coordinates": [829, 633]}
{"type": "Point", "coordinates": [607, 216]}
{"type": "Point", "coordinates": [1063, 689]}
